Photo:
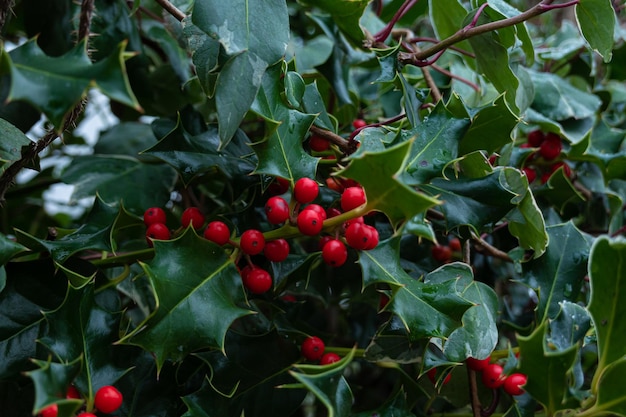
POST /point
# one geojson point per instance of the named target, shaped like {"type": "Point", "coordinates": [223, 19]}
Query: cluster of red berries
{"type": "Point", "coordinates": [308, 217]}
{"type": "Point", "coordinates": [549, 147]}
{"type": "Point", "coordinates": [443, 253]}
{"type": "Point", "coordinates": [107, 400]}
{"type": "Point", "coordinates": [492, 376]}
{"type": "Point", "coordinates": [313, 349]}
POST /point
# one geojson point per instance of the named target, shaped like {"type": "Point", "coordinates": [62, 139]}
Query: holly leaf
{"type": "Point", "coordinates": [435, 143]}
{"type": "Point", "coordinates": [379, 174]}
{"type": "Point", "coordinates": [610, 398]}
{"type": "Point", "coordinates": [596, 19]}
{"type": "Point", "coordinates": [198, 293]}
{"type": "Point", "coordinates": [426, 309]}
{"type": "Point", "coordinates": [83, 328]}
{"type": "Point", "coordinates": [109, 177]}
{"type": "Point", "coordinates": [35, 288]}
{"type": "Point", "coordinates": [607, 263]}
{"type": "Point", "coordinates": [11, 145]}
{"type": "Point", "coordinates": [328, 384]}
{"type": "Point", "coordinates": [54, 85]}
{"type": "Point", "coordinates": [559, 273]}
{"type": "Point", "coordinates": [281, 152]}
{"type": "Point", "coordinates": [51, 381]}
{"type": "Point", "coordinates": [193, 155]}
{"type": "Point", "coordinates": [489, 124]}
{"type": "Point", "coordinates": [94, 234]}
{"type": "Point", "coordinates": [392, 344]}
{"type": "Point", "coordinates": [346, 14]}
{"type": "Point", "coordinates": [547, 370]}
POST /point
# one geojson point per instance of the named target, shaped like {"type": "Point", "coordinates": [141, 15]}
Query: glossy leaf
{"type": "Point", "coordinates": [558, 274]}
{"type": "Point", "coordinates": [183, 321]}
{"type": "Point", "coordinates": [346, 15]}
{"type": "Point", "coordinates": [83, 328]}
{"type": "Point", "coordinates": [392, 343]}
{"type": "Point", "coordinates": [65, 79]}
{"type": "Point", "coordinates": [610, 397]}
{"type": "Point", "coordinates": [547, 371]}
{"type": "Point", "coordinates": [11, 146]}
{"type": "Point", "coordinates": [596, 19]}
{"type": "Point", "coordinates": [489, 128]}
{"type": "Point", "coordinates": [435, 144]}
{"type": "Point", "coordinates": [51, 381]}
{"type": "Point", "coordinates": [608, 284]}
{"type": "Point", "coordinates": [194, 155]}
{"type": "Point", "coordinates": [448, 17]}
{"type": "Point", "coordinates": [281, 153]}
{"type": "Point", "coordinates": [378, 175]}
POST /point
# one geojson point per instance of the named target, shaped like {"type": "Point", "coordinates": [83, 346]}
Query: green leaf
{"type": "Point", "coordinates": [558, 274]}
{"type": "Point", "coordinates": [193, 155]}
{"type": "Point", "coordinates": [426, 309]}
{"type": "Point", "coordinates": [198, 291]}
{"type": "Point", "coordinates": [559, 100]}
{"type": "Point", "coordinates": [11, 145]}
{"type": "Point", "coordinates": [435, 144]}
{"type": "Point", "coordinates": [346, 14]}
{"type": "Point", "coordinates": [607, 261]}
{"type": "Point", "coordinates": [35, 288]}
{"type": "Point", "coordinates": [547, 371]}
{"type": "Point", "coordinates": [378, 172]}
{"type": "Point", "coordinates": [109, 177]}
{"type": "Point", "coordinates": [413, 100]}
{"type": "Point", "coordinates": [396, 407]}
{"type": "Point", "coordinates": [490, 128]}
{"type": "Point", "coordinates": [328, 384]}
{"type": "Point", "coordinates": [281, 153]}
{"type": "Point", "coordinates": [313, 103]}
{"type": "Point", "coordinates": [8, 249]}
{"type": "Point", "coordinates": [294, 89]}
{"type": "Point", "coordinates": [94, 234]}
{"type": "Point", "coordinates": [83, 328]}
{"type": "Point", "coordinates": [392, 344]}
{"type": "Point", "coordinates": [596, 19]}
{"type": "Point", "coordinates": [448, 17]}
{"type": "Point", "coordinates": [610, 394]}
{"type": "Point", "coordinates": [51, 381]}
{"type": "Point", "coordinates": [205, 54]}
{"type": "Point", "coordinates": [55, 84]}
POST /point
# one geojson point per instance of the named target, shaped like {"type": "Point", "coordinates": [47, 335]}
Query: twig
{"type": "Point", "coordinates": [491, 250]}
{"type": "Point", "coordinates": [377, 124]}
{"type": "Point", "coordinates": [381, 36]}
{"type": "Point", "coordinates": [456, 77]}
{"type": "Point", "coordinates": [171, 9]}
{"type": "Point", "coordinates": [346, 146]}
{"type": "Point", "coordinates": [30, 152]}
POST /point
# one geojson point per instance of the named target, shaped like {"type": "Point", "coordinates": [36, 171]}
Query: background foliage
{"type": "Point", "coordinates": [211, 102]}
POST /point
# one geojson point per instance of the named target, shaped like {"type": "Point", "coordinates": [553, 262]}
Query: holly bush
{"type": "Point", "coordinates": [313, 208]}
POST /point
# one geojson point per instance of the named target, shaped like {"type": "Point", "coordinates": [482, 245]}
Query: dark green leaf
{"type": "Point", "coordinates": [448, 17]}
{"type": "Point", "coordinates": [346, 15]}
{"type": "Point", "coordinates": [294, 89]}
{"type": "Point", "coordinates": [198, 291]}
{"type": "Point", "coordinates": [490, 128]}
{"type": "Point", "coordinates": [313, 103]}
{"type": "Point", "coordinates": [610, 394]}
{"type": "Point", "coordinates": [377, 173]}
{"type": "Point", "coordinates": [55, 84]}
{"type": "Point", "coordinates": [558, 274]}
{"type": "Point", "coordinates": [392, 343]}
{"type": "Point", "coordinates": [205, 54]}
{"type": "Point", "coordinates": [596, 19]}
{"type": "Point", "coordinates": [11, 145]}
{"type": "Point", "coordinates": [51, 381]}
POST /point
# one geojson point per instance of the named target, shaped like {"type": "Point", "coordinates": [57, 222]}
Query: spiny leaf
{"type": "Point", "coordinates": [596, 19]}
{"type": "Point", "coordinates": [55, 84]}
{"type": "Point", "coordinates": [198, 291]}
{"type": "Point", "coordinates": [51, 381]}
{"type": "Point", "coordinates": [379, 173]}
{"type": "Point", "coordinates": [11, 145]}
{"type": "Point", "coordinates": [346, 14]}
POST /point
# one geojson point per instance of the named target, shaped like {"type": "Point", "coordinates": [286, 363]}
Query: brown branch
{"type": "Point", "coordinates": [347, 146]}
{"type": "Point", "coordinates": [491, 250]}
{"type": "Point", "coordinates": [31, 151]}
{"type": "Point", "coordinates": [171, 9]}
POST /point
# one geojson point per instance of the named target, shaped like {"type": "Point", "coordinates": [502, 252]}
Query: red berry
{"type": "Point", "coordinates": [566, 169]}
{"type": "Point", "coordinates": [383, 301]}
{"type": "Point", "coordinates": [347, 223]}
{"type": "Point", "coordinates": [279, 186]}
{"type": "Point", "coordinates": [157, 231]}
{"type": "Point", "coordinates": [217, 232]}
{"type": "Point", "coordinates": [372, 237]}
{"type": "Point", "coordinates": [310, 223]}
{"type": "Point", "coordinates": [513, 384]}
{"type": "Point", "coordinates": [455, 244]}
{"type": "Point", "coordinates": [50, 411]}
{"type": "Point", "coordinates": [252, 242]}
{"type": "Point", "coordinates": [108, 399]}
{"type": "Point", "coordinates": [86, 415]}
{"type": "Point", "coordinates": [332, 212]}
{"type": "Point", "coordinates": [329, 358]}
{"type": "Point", "coordinates": [441, 253]}
{"type": "Point", "coordinates": [493, 376]}
{"type": "Point", "coordinates": [359, 123]}
{"type": "Point", "coordinates": [530, 173]}
{"type": "Point", "coordinates": [334, 184]}
{"type": "Point", "coordinates": [551, 146]}
{"type": "Point", "coordinates": [318, 143]}
{"type": "Point", "coordinates": [154, 215]}
{"type": "Point", "coordinates": [72, 393]}
{"type": "Point", "coordinates": [432, 375]}
{"type": "Point", "coordinates": [319, 209]}
{"type": "Point", "coordinates": [535, 138]}
{"type": "Point", "coordinates": [352, 197]}
{"type": "Point", "coordinates": [492, 159]}
{"type": "Point", "coordinates": [257, 280]}
{"type": "Point", "coordinates": [334, 253]}
{"type": "Point", "coordinates": [313, 348]}
{"type": "Point", "coordinates": [276, 210]}
{"type": "Point", "coordinates": [478, 364]}
{"type": "Point", "coordinates": [305, 190]}
{"type": "Point", "coordinates": [324, 240]}
{"type": "Point", "coordinates": [192, 216]}
{"type": "Point", "coordinates": [276, 250]}
{"type": "Point", "coordinates": [358, 236]}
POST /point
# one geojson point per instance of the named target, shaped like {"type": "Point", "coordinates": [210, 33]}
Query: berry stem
{"type": "Point", "coordinates": [381, 36]}
{"type": "Point", "coordinates": [124, 258]}
{"type": "Point", "coordinates": [171, 9]}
